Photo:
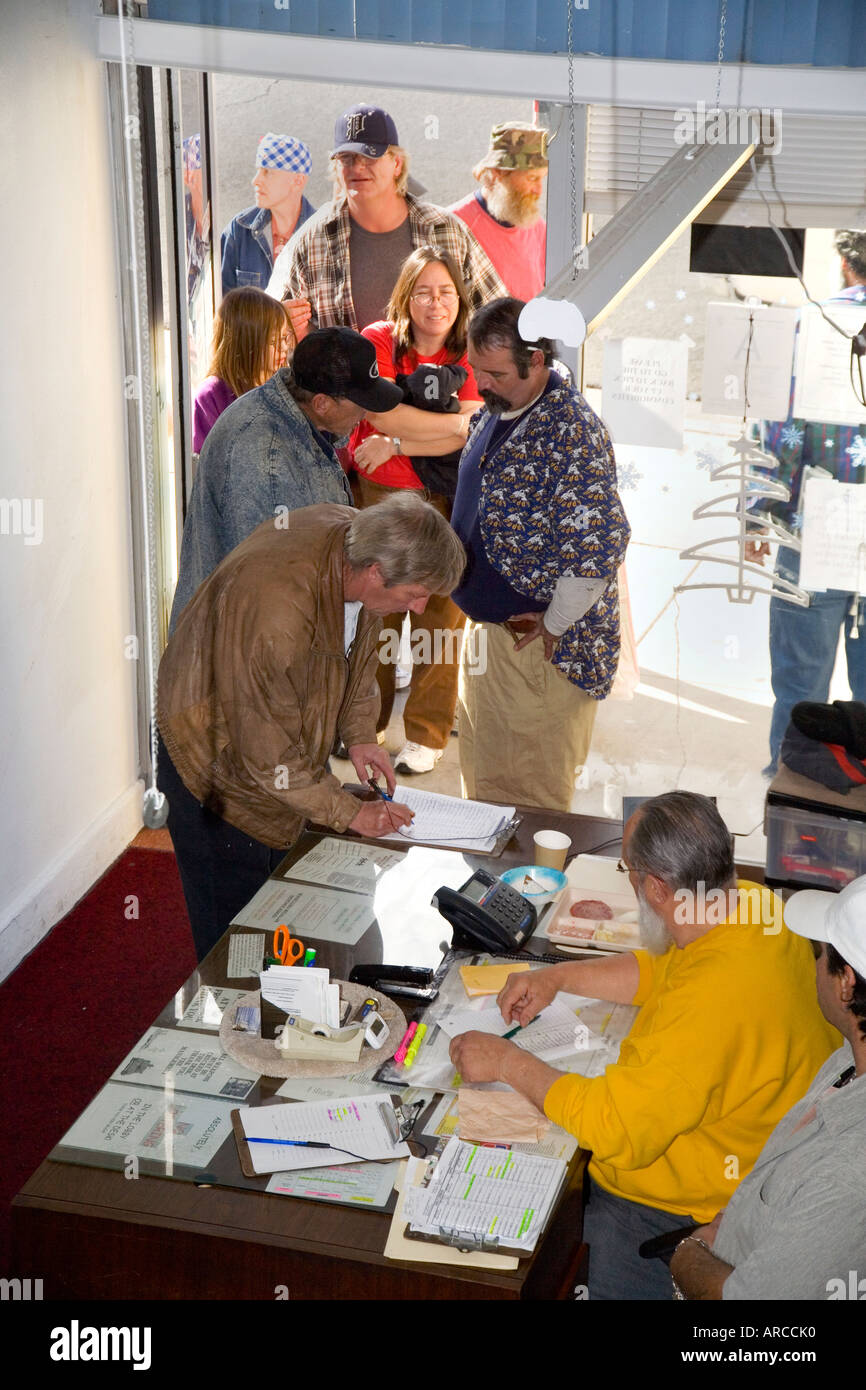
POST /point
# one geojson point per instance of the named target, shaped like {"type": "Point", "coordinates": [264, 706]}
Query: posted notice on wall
{"type": "Point", "coordinates": [823, 389]}
{"type": "Point", "coordinates": [644, 391]}
{"type": "Point", "coordinates": [764, 336]}
{"type": "Point", "coordinates": [833, 554]}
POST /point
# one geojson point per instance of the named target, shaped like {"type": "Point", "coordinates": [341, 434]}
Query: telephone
{"type": "Point", "coordinates": [486, 912]}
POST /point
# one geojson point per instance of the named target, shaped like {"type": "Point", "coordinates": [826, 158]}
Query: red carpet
{"type": "Point", "coordinates": [75, 1006]}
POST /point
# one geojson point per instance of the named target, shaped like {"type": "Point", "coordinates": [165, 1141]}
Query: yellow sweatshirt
{"type": "Point", "coordinates": [728, 1038]}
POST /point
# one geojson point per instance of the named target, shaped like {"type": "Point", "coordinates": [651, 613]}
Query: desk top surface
{"type": "Point", "coordinates": [94, 1181]}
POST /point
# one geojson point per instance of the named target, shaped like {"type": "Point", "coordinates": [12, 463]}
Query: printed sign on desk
{"type": "Point", "coordinates": [644, 391]}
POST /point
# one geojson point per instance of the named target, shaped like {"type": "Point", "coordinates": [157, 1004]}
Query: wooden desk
{"type": "Point", "coordinates": [92, 1234]}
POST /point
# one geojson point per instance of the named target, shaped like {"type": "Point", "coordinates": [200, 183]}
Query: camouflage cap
{"type": "Point", "coordinates": [515, 145]}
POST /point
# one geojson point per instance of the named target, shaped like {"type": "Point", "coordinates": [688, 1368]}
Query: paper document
{"type": "Point", "coordinates": [322, 913]}
{"type": "Point", "coordinates": [330, 1087]}
{"type": "Point", "coordinates": [246, 955]}
{"type": "Point", "coordinates": [353, 1184]}
{"type": "Point", "coordinates": [451, 821]}
{"type": "Point", "coordinates": [498, 1194]}
{"type": "Point", "coordinates": [172, 1059]}
{"type": "Point", "coordinates": [303, 990]}
{"type": "Point", "coordinates": [355, 1126]}
{"type": "Point", "coordinates": [833, 552]}
{"type": "Point", "coordinates": [345, 864]}
{"type": "Point", "coordinates": [552, 1034]}
{"type": "Point", "coordinates": [822, 388]}
{"type": "Point", "coordinates": [135, 1120]}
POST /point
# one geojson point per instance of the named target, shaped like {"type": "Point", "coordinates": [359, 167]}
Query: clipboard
{"type": "Point", "coordinates": [245, 1157]}
{"type": "Point", "coordinates": [469, 1242]}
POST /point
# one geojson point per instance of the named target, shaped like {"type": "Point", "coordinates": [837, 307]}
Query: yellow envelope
{"type": "Point", "coordinates": [489, 979]}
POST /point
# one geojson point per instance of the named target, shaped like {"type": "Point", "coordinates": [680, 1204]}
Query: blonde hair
{"type": "Point", "coordinates": [248, 325]}
{"type": "Point", "coordinates": [401, 183]}
{"type": "Point", "coordinates": [397, 312]}
{"type": "Point", "coordinates": [409, 540]}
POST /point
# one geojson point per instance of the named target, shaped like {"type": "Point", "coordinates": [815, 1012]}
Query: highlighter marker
{"type": "Point", "coordinates": [414, 1045]}
{"type": "Point", "coordinates": [400, 1054]}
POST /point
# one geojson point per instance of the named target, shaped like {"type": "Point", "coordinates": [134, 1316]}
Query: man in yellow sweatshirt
{"type": "Point", "coordinates": [728, 1037]}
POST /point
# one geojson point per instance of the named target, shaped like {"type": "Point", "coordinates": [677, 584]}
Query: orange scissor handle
{"type": "Point", "coordinates": [289, 949]}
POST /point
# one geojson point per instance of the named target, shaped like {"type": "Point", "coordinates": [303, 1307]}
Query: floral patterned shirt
{"type": "Point", "coordinates": [549, 507]}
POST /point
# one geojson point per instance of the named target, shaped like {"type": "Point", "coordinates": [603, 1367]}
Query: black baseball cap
{"type": "Point", "coordinates": [364, 130]}
{"type": "Point", "coordinates": [339, 362]}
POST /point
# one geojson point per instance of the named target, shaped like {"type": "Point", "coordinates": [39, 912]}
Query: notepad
{"type": "Point", "coordinates": [489, 979]}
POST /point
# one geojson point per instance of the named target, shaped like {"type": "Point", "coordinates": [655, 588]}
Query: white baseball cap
{"type": "Point", "coordinates": [839, 918]}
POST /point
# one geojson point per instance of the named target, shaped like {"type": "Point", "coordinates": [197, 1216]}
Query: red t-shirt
{"type": "Point", "coordinates": [398, 471]}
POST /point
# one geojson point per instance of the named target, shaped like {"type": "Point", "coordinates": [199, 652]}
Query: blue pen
{"type": "Point", "coordinates": [292, 1143]}
{"type": "Point", "coordinates": [378, 790]}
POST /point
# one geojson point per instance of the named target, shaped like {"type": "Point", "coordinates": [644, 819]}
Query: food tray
{"type": "Point", "coordinates": [619, 933]}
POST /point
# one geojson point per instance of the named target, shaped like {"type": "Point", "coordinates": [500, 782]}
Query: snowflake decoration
{"type": "Point", "coordinates": [792, 436]}
{"type": "Point", "coordinates": [688, 318]}
{"type": "Point", "coordinates": [706, 460]}
{"type": "Point", "coordinates": [627, 477]}
{"type": "Point", "coordinates": [681, 294]}
{"type": "Point", "coordinates": [857, 452]}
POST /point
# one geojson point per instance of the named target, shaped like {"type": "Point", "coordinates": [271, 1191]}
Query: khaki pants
{"type": "Point", "coordinates": [525, 728]}
{"type": "Point", "coordinates": [429, 713]}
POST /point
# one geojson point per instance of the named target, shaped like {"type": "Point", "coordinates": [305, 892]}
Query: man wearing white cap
{"type": "Point", "coordinates": [253, 240]}
{"type": "Point", "coordinates": [796, 1226]}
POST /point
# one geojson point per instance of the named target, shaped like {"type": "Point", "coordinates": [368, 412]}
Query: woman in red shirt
{"type": "Point", "coordinates": [428, 316]}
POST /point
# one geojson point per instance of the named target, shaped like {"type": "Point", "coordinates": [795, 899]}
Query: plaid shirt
{"type": "Point", "coordinates": [315, 264]}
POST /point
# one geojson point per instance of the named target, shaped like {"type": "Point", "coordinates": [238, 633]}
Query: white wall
{"type": "Point", "coordinates": [69, 800]}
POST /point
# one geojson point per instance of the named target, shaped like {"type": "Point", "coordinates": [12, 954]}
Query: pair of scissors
{"type": "Point", "coordinates": [287, 948]}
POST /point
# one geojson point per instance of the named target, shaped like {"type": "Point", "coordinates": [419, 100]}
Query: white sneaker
{"type": "Point", "coordinates": [416, 757]}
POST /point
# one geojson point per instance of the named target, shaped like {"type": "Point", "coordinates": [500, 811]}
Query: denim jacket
{"type": "Point", "coordinates": [261, 460]}
{"type": "Point", "coordinates": [248, 249]}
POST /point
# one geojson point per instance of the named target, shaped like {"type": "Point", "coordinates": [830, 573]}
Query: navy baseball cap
{"type": "Point", "coordinates": [339, 362]}
{"type": "Point", "coordinates": [364, 130]}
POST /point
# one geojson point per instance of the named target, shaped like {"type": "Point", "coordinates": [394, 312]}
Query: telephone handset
{"type": "Point", "coordinates": [486, 912]}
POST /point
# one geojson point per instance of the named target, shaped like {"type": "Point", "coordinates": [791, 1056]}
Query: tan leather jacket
{"type": "Point", "coordinates": [255, 683]}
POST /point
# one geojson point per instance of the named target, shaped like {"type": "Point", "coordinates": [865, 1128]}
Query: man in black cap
{"type": "Point", "coordinates": [345, 260]}
{"type": "Point", "coordinates": [268, 453]}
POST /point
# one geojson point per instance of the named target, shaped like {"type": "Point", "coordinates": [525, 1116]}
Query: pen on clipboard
{"type": "Point", "coordinates": [290, 1143]}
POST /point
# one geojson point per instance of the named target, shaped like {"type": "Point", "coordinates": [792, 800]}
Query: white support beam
{"type": "Point", "coordinates": [627, 246]}
{"type": "Point", "coordinates": [439, 68]}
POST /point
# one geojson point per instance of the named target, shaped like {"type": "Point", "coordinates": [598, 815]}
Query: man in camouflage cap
{"type": "Point", "coordinates": [504, 213]}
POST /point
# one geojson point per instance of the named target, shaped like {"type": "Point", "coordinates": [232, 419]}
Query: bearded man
{"type": "Point", "coordinates": [728, 1036]}
{"type": "Point", "coordinates": [504, 214]}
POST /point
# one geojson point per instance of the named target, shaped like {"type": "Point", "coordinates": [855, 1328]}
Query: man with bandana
{"type": "Point", "coordinates": [253, 240]}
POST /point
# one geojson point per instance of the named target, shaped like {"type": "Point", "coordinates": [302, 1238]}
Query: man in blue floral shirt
{"type": "Point", "coordinates": [539, 515]}
{"type": "Point", "coordinates": [803, 641]}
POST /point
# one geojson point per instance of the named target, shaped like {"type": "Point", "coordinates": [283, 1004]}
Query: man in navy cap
{"type": "Point", "coordinates": [346, 259]}
{"type": "Point", "coordinates": [253, 239]}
